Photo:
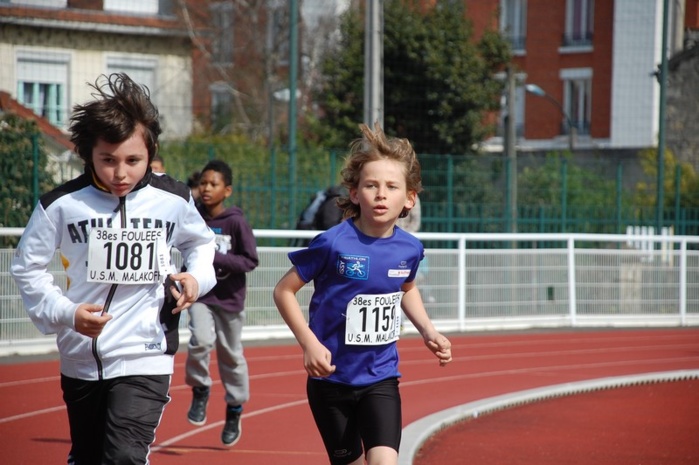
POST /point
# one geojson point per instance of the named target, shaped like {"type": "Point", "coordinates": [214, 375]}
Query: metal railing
{"type": "Point", "coordinates": [587, 280]}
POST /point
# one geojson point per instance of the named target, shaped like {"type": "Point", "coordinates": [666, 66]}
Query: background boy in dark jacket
{"type": "Point", "coordinates": [217, 318]}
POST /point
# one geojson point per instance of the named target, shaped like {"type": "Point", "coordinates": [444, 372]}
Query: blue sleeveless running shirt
{"type": "Point", "coordinates": [355, 307]}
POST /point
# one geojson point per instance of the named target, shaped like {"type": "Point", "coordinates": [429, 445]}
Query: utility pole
{"type": "Point", "coordinates": [510, 148]}
{"type": "Point", "coordinates": [293, 76]}
{"type": "Point", "coordinates": [661, 123]}
{"type": "Point", "coordinates": [373, 63]}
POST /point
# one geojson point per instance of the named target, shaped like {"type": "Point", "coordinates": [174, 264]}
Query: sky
{"type": "Point", "coordinates": [314, 9]}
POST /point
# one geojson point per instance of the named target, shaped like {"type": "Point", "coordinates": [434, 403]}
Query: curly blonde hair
{"type": "Point", "coordinates": [375, 145]}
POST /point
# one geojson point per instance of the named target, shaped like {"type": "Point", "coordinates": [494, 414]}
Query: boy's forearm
{"type": "Point", "coordinates": [235, 263]}
{"type": "Point", "coordinates": [290, 311]}
{"type": "Point", "coordinates": [415, 310]}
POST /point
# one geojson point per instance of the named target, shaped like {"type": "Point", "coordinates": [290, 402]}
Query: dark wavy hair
{"type": "Point", "coordinates": [120, 107]}
{"type": "Point", "coordinates": [221, 167]}
{"type": "Point", "coordinates": [375, 145]}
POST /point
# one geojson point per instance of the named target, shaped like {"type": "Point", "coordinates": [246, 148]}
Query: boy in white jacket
{"type": "Point", "coordinates": [116, 324]}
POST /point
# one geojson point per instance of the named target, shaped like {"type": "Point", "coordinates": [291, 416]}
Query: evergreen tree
{"type": "Point", "coordinates": [17, 137]}
{"type": "Point", "coordinates": [438, 82]}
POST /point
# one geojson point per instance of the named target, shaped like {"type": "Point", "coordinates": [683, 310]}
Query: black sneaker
{"type": "Point", "coordinates": [197, 411]}
{"type": "Point", "coordinates": [232, 428]}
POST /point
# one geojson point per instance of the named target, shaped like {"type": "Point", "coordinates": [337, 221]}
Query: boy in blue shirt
{"type": "Point", "coordinates": [363, 271]}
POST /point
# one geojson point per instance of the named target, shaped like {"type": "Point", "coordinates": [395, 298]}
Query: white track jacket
{"type": "Point", "coordinates": [142, 336]}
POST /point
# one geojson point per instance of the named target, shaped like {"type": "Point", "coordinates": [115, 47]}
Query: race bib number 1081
{"type": "Point", "coordinates": [127, 256]}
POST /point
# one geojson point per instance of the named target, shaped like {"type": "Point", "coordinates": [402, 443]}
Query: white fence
{"type": "Point", "coordinates": [475, 282]}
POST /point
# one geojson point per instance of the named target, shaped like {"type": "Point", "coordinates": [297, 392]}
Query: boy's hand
{"type": "Point", "coordinates": [185, 289]}
{"type": "Point", "coordinates": [89, 320]}
{"type": "Point", "coordinates": [441, 347]}
{"type": "Point", "coordinates": [317, 361]}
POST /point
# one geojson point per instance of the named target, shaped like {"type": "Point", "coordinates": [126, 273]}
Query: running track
{"type": "Point", "coordinates": [277, 425]}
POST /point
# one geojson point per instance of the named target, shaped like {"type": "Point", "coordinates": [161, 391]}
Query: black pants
{"type": "Point", "coordinates": [113, 421]}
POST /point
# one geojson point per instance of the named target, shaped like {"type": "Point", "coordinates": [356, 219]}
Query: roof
{"type": "Point", "coordinates": [48, 130]}
{"type": "Point", "coordinates": [93, 20]}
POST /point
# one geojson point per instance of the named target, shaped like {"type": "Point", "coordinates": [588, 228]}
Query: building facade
{"type": "Point", "coordinates": [50, 49]}
{"type": "Point", "coordinates": [587, 69]}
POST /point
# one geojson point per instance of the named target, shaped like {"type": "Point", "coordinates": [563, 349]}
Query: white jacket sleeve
{"type": "Point", "coordinates": [44, 301]}
{"type": "Point", "coordinates": [197, 243]}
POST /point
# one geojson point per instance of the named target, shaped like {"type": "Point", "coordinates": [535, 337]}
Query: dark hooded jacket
{"type": "Point", "coordinates": [236, 254]}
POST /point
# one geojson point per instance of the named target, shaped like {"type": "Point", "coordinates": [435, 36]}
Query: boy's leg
{"type": "Point", "coordinates": [233, 369]}
{"type": "Point", "coordinates": [86, 413]}
{"type": "Point", "coordinates": [382, 455]}
{"type": "Point", "coordinates": [201, 343]}
{"type": "Point", "coordinates": [334, 410]}
{"type": "Point", "coordinates": [379, 410]}
{"type": "Point", "coordinates": [197, 374]}
{"type": "Point", "coordinates": [232, 366]}
{"type": "Point", "coordinates": [134, 409]}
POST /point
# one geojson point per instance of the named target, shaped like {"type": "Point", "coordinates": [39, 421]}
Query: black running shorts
{"type": "Point", "coordinates": [350, 417]}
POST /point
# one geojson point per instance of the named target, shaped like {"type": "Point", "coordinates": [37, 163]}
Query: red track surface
{"type": "Point", "coordinates": [649, 424]}
{"type": "Point", "coordinates": [278, 428]}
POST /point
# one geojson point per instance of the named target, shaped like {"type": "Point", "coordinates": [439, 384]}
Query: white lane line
{"type": "Point", "coordinates": [469, 348]}
{"type": "Point", "coordinates": [470, 345]}
{"type": "Point", "coordinates": [418, 382]}
{"type": "Point", "coordinates": [545, 368]}
{"type": "Point", "coordinates": [477, 342]}
{"type": "Point", "coordinates": [217, 424]}
{"type": "Point", "coordinates": [32, 414]}
{"type": "Point", "coordinates": [549, 354]}
{"type": "Point", "coordinates": [23, 382]}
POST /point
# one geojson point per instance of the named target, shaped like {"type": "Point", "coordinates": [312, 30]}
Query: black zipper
{"type": "Point", "coordinates": [121, 208]}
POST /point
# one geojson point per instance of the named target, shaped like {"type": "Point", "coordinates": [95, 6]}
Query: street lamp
{"type": "Point", "coordinates": [572, 129]}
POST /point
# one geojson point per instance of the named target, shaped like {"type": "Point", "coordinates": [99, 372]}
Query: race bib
{"type": "Point", "coordinates": [127, 256]}
{"type": "Point", "coordinates": [373, 319]}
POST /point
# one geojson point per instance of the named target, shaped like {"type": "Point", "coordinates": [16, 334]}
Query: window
{"type": "Point", "coordinates": [221, 106]}
{"type": "Point", "coordinates": [140, 70]}
{"type": "Point", "coordinates": [222, 39]}
{"type": "Point", "coordinates": [42, 83]}
{"type": "Point", "coordinates": [579, 23]}
{"type": "Point", "coordinates": [577, 98]}
{"type": "Point", "coordinates": [132, 6]}
{"type": "Point", "coordinates": [513, 23]}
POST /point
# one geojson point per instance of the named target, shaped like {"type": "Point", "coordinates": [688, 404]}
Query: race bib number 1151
{"type": "Point", "coordinates": [127, 256]}
{"type": "Point", "coordinates": [373, 319]}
